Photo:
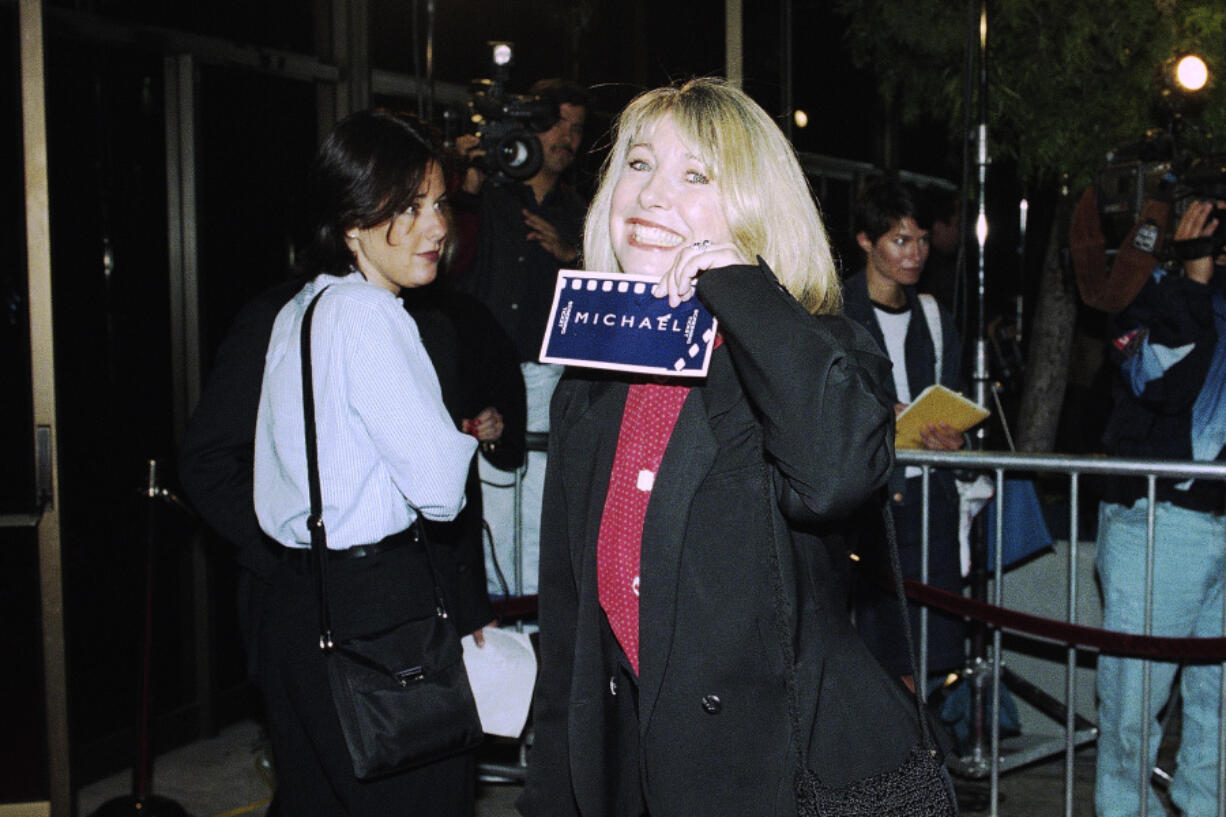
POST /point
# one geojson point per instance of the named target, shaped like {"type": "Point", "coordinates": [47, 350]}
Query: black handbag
{"type": "Point", "coordinates": [918, 787]}
{"type": "Point", "coordinates": [402, 695]}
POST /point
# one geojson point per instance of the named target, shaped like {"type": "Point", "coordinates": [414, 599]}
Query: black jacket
{"type": "Point", "coordinates": [513, 276]}
{"type": "Point", "coordinates": [1174, 312]}
{"type": "Point", "coordinates": [788, 433]}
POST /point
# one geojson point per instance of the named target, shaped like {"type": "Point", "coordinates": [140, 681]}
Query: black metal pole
{"type": "Point", "coordinates": [785, 66]}
{"type": "Point", "coordinates": [419, 75]}
{"type": "Point", "coordinates": [977, 761]}
{"type": "Point", "coordinates": [142, 802]}
{"type": "Point", "coordinates": [430, 15]}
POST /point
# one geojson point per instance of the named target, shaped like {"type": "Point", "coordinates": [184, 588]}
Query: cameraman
{"type": "Point", "coordinates": [1169, 347]}
{"type": "Point", "coordinates": [518, 235]}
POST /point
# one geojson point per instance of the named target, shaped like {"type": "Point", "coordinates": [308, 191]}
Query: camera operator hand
{"type": "Point", "coordinates": [468, 145]}
{"type": "Point", "coordinates": [1198, 222]}
{"type": "Point", "coordinates": [545, 234]}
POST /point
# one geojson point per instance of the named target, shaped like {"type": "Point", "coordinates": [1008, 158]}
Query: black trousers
{"type": "Point", "coordinates": [314, 774]}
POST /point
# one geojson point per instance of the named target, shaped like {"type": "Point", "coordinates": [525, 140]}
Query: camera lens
{"type": "Point", "coordinates": [518, 155]}
{"type": "Point", "coordinates": [513, 154]}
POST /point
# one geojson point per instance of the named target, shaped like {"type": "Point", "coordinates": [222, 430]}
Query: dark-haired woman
{"type": "Point", "coordinates": [388, 452]}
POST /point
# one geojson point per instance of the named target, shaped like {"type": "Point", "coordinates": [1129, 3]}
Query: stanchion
{"type": "Point", "coordinates": [142, 802]}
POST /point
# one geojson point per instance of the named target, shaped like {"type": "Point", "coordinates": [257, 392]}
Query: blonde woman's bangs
{"type": "Point", "coordinates": [766, 198]}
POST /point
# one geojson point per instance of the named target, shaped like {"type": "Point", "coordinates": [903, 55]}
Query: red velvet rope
{"type": "Point", "coordinates": [514, 607]}
{"type": "Point", "coordinates": [1107, 641]}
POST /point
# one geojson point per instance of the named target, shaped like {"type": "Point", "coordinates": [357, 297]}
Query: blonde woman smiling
{"type": "Point", "coordinates": [672, 508]}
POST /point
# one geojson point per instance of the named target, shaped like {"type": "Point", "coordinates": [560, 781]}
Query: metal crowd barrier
{"type": "Point", "coordinates": [1077, 731]}
{"type": "Point", "coordinates": [998, 464]}
{"type": "Point", "coordinates": [491, 770]}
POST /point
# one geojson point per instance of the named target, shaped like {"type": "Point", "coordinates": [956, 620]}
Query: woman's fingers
{"type": "Point", "coordinates": [941, 437]}
{"type": "Point", "coordinates": [678, 283]}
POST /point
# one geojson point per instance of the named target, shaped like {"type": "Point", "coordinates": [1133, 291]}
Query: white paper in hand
{"type": "Point", "coordinates": [502, 675]}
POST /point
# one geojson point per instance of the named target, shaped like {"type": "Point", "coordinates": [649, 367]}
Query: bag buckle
{"type": "Point", "coordinates": [405, 676]}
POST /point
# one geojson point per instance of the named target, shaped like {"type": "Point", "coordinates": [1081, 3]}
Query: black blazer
{"type": "Point", "coordinates": [790, 431]}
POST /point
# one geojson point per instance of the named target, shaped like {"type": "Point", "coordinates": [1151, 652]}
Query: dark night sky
{"type": "Point", "coordinates": [640, 43]}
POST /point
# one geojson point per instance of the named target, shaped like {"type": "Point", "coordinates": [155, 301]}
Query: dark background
{"type": "Point", "coordinates": [106, 143]}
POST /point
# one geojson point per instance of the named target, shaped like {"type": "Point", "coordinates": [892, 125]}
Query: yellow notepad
{"type": "Point", "coordinates": [935, 404]}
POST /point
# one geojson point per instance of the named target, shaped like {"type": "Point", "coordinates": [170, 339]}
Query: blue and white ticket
{"type": "Point", "coordinates": [610, 320]}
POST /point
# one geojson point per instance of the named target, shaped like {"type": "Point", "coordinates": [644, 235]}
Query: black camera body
{"type": "Point", "coordinates": [507, 133]}
{"type": "Point", "coordinates": [1203, 180]}
{"type": "Point", "coordinates": [507, 124]}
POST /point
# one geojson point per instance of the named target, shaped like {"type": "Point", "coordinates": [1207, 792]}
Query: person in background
{"type": "Point", "coordinates": [389, 456]}
{"type": "Point", "coordinates": [918, 336]}
{"type": "Point", "coordinates": [1169, 350]}
{"type": "Point", "coordinates": [940, 210]}
{"type": "Point", "coordinates": [481, 388]}
{"type": "Point", "coordinates": [663, 687]}
{"type": "Point", "coordinates": [484, 394]}
{"type": "Point", "coordinates": [514, 237]}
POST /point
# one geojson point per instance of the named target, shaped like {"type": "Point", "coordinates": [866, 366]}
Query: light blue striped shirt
{"type": "Point", "coordinates": [386, 443]}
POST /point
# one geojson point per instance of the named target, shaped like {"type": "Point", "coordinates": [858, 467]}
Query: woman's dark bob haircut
{"type": "Point", "coordinates": [366, 172]}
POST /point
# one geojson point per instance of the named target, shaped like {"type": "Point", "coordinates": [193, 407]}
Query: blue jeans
{"type": "Point", "coordinates": [498, 492]}
{"type": "Point", "coordinates": [1188, 575]}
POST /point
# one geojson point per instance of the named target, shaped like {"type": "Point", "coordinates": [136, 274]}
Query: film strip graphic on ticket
{"type": "Point", "coordinates": [609, 320]}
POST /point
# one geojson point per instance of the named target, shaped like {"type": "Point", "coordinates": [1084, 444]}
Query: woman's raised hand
{"type": "Point", "coordinates": [678, 283]}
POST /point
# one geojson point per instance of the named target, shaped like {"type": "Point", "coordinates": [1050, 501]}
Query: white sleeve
{"type": "Point", "coordinates": [395, 394]}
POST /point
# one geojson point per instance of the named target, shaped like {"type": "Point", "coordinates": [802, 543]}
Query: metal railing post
{"type": "Point", "coordinates": [1145, 766]}
{"type": "Point", "coordinates": [1070, 682]}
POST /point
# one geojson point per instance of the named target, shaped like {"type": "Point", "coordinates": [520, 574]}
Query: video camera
{"type": "Point", "coordinates": [1204, 179]}
{"type": "Point", "coordinates": [1134, 204]}
{"type": "Point", "coordinates": [1123, 187]}
{"type": "Point", "coordinates": [507, 123]}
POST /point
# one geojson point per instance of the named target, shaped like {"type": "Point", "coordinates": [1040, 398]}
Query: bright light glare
{"type": "Point", "coordinates": [981, 229]}
{"type": "Point", "coordinates": [1191, 73]}
{"type": "Point", "coordinates": [502, 53]}
{"type": "Point", "coordinates": [801, 118]}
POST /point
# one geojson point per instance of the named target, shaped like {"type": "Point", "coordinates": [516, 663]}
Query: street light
{"type": "Point", "coordinates": [1191, 73]}
{"type": "Point", "coordinates": [1181, 91]}
{"type": "Point", "coordinates": [501, 53]}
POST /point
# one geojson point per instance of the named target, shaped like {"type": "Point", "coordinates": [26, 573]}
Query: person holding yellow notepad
{"type": "Point", "coordinates": [921, 341]}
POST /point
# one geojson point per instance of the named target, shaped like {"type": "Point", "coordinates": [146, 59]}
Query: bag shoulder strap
{"type": "Point", "coordinates": [315, 521]}
{"type": "Point", "coordinates": [932, 314]}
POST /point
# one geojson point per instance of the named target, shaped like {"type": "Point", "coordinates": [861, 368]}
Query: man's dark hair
{"type": "Point", "coordinates": [366, 172]}
{"type": "Point", "coordinates": [882, 204]}
{"type": "Point", "coordinates": [559, 91]}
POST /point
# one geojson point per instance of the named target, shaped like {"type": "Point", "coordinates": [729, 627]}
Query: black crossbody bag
{"type": "Point", "coordinates": [402, 695]}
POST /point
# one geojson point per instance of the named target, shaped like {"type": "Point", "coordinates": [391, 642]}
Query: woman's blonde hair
{"type": "Point", "coordinates": [766, 198]}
